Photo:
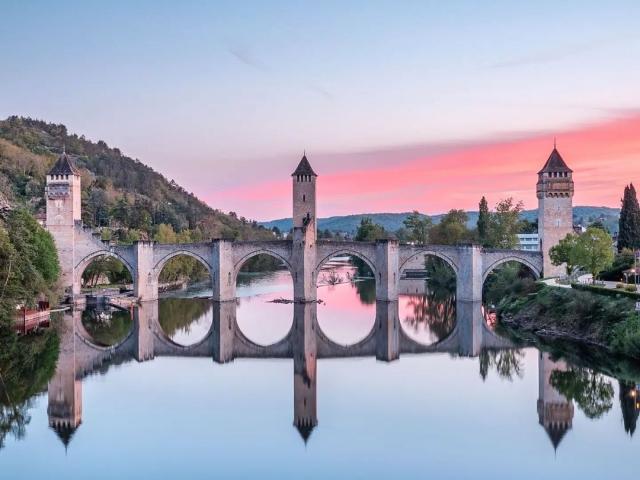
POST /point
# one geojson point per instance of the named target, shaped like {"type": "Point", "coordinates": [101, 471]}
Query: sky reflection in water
{"type": "Point", "coordinates": [423, 415]}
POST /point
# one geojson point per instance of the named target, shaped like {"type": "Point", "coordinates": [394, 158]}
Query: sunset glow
{"type": "Point", "coordinates": [604, 156]}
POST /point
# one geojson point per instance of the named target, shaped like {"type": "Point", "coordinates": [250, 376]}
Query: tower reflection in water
{"type": "Point", "coordinates": [305, 344]}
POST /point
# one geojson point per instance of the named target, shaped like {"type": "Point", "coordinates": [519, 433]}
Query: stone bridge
{"type": "Point", "coordinates": [387, 259]}
{"type": "Point", "coordinates": [302, 254]}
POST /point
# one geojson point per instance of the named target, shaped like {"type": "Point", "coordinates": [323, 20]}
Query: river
{"type": "Point", "coordinates": [500, 414]}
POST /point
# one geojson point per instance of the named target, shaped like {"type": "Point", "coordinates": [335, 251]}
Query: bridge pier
{"type": "Point", "coordinates": [388, 331]}
{"type": "Point", "coordinates": [470, 328]}
{"type": "Point", "coordinates": [223, 331]}
{"type": "Point", "coordinates": [386, 263]}
{"type": "Point", "coordinates": [145, 283]}
{"type": "Point", "coordinates": [469, 278]}
{"type": "Point", "coordinates": [223, 279]}
{"type": "Point", "coordinates": [303, 261]}
{"type": "Point", "coordinates": [146, 316]}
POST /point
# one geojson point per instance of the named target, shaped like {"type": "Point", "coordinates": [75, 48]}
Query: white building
{"type": "Point", "coordinates": [529, 242]}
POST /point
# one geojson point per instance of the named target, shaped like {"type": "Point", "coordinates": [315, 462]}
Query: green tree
{"type": "Point", "coordinates": [593, 251]}
{"type": "Point", "coordinates": [369, 231]}
{"type": "Point", "coordinates": [418, 227]}
{"type": "Point", "coordinates": [504, 224]}
{"type": "Point", "coordinates": [591, 391]}
{"type": "Point", "coordinates": [483, 222]}
{"type": "Point", "coordinates": [629, 223]}
{"type": "Point", "coordinates": [563, 253]}
{"type": "Point", "coordinates": [452, 229]}
{"type": "Point", "coordinates": [31, 260]}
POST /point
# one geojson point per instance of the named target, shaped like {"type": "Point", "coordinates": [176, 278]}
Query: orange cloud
{"type": "Point", "coordinates": [604, 157]}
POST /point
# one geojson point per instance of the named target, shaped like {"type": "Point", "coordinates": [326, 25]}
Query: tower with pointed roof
{"type": "Point", "coordinates": [555, 208]}
{"type": "Point", "coordinates": [304, 195]}
{"type": "Point", "coordinates": [63, 211]}
{"type": "Point", "coordinates": [304, 230]}
{"type": "Point", "coordinates": [555, 411]}
{"type": "Point", "coordinates": [305, 417]}
{"type": "Point", "coordinates": [65, 389]}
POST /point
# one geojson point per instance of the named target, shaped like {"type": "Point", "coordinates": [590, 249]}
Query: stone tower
{"type": "Point", "coordinates": [555, 208]}
{"type": "Point", "coordinates": [65, 389]}
{"type": "Point", "coordinates": [63, 211]}
{"type": "Point", "coordinates": [304, 231]}
{"type": "Point", "coordinates": [305, 416]}
{"type": "Point", "coordinates": [555, 411]}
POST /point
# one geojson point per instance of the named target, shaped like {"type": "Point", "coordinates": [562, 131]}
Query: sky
{"type": "Point", "coordinates": [399, 105]}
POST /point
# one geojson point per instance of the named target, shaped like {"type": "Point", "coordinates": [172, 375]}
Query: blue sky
{"type": "Point", "coordinates": [210, 93]}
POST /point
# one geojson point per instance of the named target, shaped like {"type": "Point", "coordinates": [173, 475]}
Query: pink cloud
{"type": "Point", "coordinates": [604, 157]}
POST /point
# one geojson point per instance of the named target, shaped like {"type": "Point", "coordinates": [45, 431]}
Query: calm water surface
{"type": "Point", "coordinates": [498, 414]}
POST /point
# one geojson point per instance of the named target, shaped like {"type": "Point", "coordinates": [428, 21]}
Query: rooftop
{"type": "Point", "coordinates": [64, 166]}
{"type": "Point", "coordinates": [555, 163]}
{"type": "Point", "coordinates": [304, 168]}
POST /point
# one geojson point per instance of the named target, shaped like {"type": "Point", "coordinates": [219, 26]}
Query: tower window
{"type": "Point", "coordinates": [304, 198]}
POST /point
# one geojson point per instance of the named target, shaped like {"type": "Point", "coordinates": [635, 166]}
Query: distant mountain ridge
{"type": "Point", "coordinates": [393, 221]}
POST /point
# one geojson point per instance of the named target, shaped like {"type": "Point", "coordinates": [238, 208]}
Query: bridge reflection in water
{"type": "Point", "coordinates": [305, 343]}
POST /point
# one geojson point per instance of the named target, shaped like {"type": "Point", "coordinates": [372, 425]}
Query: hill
{"type": "Point", "coordinates": [393, 221]}
{"type": "Point", "coordinates": [118, 192]}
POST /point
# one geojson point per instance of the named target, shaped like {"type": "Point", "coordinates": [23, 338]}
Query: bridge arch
{"type": "Point", "coordinates": [535, 269]}
{"type": "Point", "coordinates": [84, 263]}
{"type": "Point", "coordinates": [432, 253]}
{"type": "Point", "coordinates": [343, 252]}
{"type": "Point", "coordinates": [266, 320]}
{"type": "Point", "coordinates": [162, 262]}
{"type": "Point", "coordinates": [254, 253]}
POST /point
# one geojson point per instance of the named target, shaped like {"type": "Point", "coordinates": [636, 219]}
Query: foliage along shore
{"type": "Point", "coordinates": [583, 317]}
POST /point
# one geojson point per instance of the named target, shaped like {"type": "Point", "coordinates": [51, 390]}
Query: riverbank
{"type": "Point", "coordinates": [587, 318]}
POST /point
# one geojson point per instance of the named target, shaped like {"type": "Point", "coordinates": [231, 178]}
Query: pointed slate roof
{"type": "Point", "coordinates": [556, 434]}
{"type": "Point", "coordinates": [304, 168]}
{"type": "Point", "coordinates": [65, 433]}
{"type": "Point", "coordinates": [64, 166]}
{"type": "Point", "coordinates": [555, 163]}
{"type": "Point", "coordinates": [305, 429]}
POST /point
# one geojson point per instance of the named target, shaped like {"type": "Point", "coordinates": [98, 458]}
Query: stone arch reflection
{"type": "Point", "coordinates": [185, 321]}
{"type": "Point", "coordinates": [427, 299]}
{"type": "Point", "coordinates": [346, 291]}
{"type": "Point", "coordinates": [264, 298]}
{"type": "Point", "coordinates": [107, 326]}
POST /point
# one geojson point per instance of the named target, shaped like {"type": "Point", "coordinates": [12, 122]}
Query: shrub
{"type": "Point", "coordinates": [606, 291]}
{"type": "Point", "coordinates": [619, 285]}
{"type": "Point", "coordinates": [630, 288]}
{"type": "Point", "coordinates": [625, 336]}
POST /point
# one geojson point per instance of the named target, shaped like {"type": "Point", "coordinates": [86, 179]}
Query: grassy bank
{"type": "Point", "coordinates": [585, 317]}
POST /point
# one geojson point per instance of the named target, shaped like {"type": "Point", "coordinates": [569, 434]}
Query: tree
{"type": "Point", "coordinates": [369, 231]}
{"type": "Point", "coordinates": [593, 251]}
{"type": "Point", "coordinates": [418, 227]}
{"type": "Point", "coordinates": [591, 391]}
{"type": "Point", "coordinates": [562, 253]}
{"type": "Point", "coordinates": [629, 231]}
{"type": "Point", "coordinates": [483, 221]}
{"type": "Point", "coordinates": [504, 224]}
{"type": "Point", "coordinates": [452, 229]}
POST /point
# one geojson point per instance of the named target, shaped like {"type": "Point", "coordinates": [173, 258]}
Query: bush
{"type": "Point", "coordinates": [625, 336]}
{"type": "Point", "coordinates": [619, 285]}
{"type": "Point", "coordinates": [630, 288]}
{"type": "Point", "coordinates": [606, 291]}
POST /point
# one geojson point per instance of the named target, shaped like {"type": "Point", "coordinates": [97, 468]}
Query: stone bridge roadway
{"type": "Point", "coordinates": [223, 258]}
